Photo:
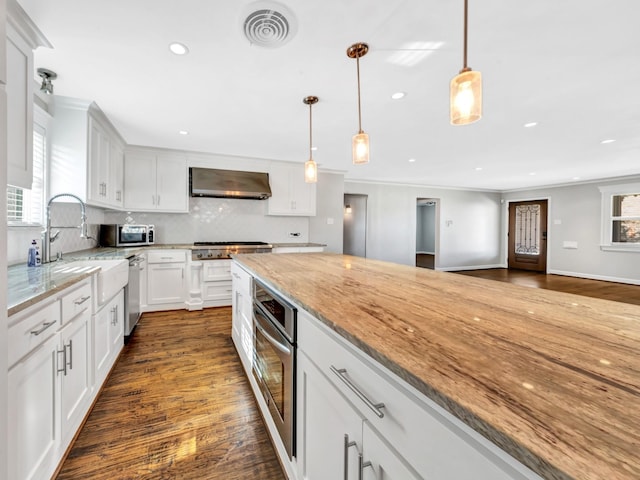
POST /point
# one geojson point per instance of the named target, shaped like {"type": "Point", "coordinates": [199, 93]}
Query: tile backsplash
{"type": "Point", "coordinates": [208, 220]}
{"type": "Point", "coordinates": [219, 219]}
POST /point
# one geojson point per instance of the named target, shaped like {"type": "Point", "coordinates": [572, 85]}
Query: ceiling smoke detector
{"type": "Point", "coordinates": [269, 24]}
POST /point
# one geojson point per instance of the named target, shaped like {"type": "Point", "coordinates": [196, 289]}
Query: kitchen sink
{"type": "Point", "coordinates": [112, 276]}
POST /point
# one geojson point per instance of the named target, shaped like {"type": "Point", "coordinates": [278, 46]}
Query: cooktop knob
{"type": "Point", "coordinates": [199, 255]}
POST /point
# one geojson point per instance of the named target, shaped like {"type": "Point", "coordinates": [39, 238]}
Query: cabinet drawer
{"type": "Point", "coordinates": [213, 270]}
{"type": "Point", "coordinates": [76, 302]}
{"type": "Point", "coordinates": [217, 291]}
{"type": "Point", "coordinates": [430, 439]}
{"type": "Point", "coordinates": [32, 330]}
{"type": "Point", "coordinates": [166, 256]}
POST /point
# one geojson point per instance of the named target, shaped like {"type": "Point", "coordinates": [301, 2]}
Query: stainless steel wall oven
{"type": "Point", "coordinates": [274, 359]}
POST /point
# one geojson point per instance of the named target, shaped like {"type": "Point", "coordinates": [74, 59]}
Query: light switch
{"type": "Point", "coordinates": [569, 244]}
{"type": "Point", "coordinates": [557, 221]}
{"type": "Point", "coordinates": [329, 221]}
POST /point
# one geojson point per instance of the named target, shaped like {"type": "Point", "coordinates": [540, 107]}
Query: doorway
{"type": "Point", "coordinates": [355, 225]}
{"type": "Point", "coordinates": [426, 226]}
{"type": "Point", "coordinates": [527, 236]}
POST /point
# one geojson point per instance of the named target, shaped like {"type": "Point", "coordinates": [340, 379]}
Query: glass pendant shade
{"type": "Point", "coordinates": [466, 97]}
{"type": "Point", "coordinates": [360, 146]}
{"type": "Point", "coordinates": [310, 171]}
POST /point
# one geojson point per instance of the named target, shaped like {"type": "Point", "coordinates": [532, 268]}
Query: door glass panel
{"type": "Point", "coordinates": [527, 232]}
{"type": "Point", "coordinates": [626, 231]}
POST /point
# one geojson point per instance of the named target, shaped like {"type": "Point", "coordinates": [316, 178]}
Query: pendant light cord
{"type": "Point", "coordinates": [310, 134]}
{"type": "Point", "coordinates": [464, 61]}
{"type": "Point", "coordinates": [359, 111]}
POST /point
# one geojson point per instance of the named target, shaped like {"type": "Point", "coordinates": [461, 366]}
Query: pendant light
{"type": "Point", "coordinates": [466, 89]}
{"type": "Point", "coordinates": [310, 167]}
{"type": "Point", "coordinates": [360, 142]}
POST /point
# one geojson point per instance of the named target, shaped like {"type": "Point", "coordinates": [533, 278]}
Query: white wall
{"type": "Point", "coordinates": [326, 226]}
{"type": "Point", "coordinates": [577, 208]}
{"type": "Point", "coordinates": [469, 225]}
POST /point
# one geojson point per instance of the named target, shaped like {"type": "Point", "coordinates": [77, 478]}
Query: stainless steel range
{"type": "Point", "coordinates": [224, 250]}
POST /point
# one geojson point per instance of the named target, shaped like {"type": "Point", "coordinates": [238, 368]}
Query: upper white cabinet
{"type": "Point", "coordinates": [155, 181]}
{"type": "Point", "coordinates": [22, 38]}
{"type": "Point", "coordinates": [86, 154]}
{"type": "Point", "coordinates": [290, 194]}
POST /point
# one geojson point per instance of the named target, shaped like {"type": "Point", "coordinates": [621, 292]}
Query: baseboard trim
{"type": "Point", "coordinates": [470, 267]}
{"type": "Point", "coordinates": [631, 281]}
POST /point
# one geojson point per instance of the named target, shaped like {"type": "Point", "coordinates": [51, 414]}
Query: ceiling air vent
{"type": "Point", "coordinates": [269, 24]}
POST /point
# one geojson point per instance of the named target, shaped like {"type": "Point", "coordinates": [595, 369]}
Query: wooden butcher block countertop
{"type": "Point", "coordinates": [552, 378]}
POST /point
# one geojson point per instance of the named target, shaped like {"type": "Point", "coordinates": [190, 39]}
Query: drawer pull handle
{"type": "Point", "coordinates": [375, 407]}
{"type": "Point", "coordinates": [82, 300]}
{"type": "Point", "coordinates": [44, 326]}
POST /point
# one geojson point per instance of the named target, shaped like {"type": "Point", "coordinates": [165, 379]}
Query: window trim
{"type": "Point", "coordinates": [606, 216]}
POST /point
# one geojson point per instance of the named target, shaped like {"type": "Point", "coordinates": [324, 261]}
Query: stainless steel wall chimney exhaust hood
{"type": "Point", "coordinates": [212, 182]}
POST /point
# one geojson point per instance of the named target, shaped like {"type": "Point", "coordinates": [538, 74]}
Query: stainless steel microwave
{"type": "Point", "coordinates": [125, 235]}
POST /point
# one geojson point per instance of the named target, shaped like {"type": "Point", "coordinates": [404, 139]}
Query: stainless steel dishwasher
{"type": "Point", "coordinates": [132, 294]}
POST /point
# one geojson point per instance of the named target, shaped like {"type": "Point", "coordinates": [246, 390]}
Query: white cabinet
{"type": "Point", "coordinates": [86, 154]}
{"type": "Point", "coordinates": [22, 38]}
{"type": "Point", "coordinates": [49, 380]}
{"type": "Point", "coordinates": [155, 182]}
{"type": "Point", "coordinates": [75, 388]}
{"type": "Point", "coordinates": [290, 194]}
{"type": "Point", "coordinates": [166, 282]}
{"type": "Point", "coordinates": [333, 435]}
{"type": "Point", "coordinates": [108, 337]}
{"type": "Point", "coordinates": [33, 428]}
{"type": "Point", "coordinates": [242, 320]}
{"type": "Point", "coordinates": [216, 283]}
{"type": "Point", "coordinates": [404, 434]}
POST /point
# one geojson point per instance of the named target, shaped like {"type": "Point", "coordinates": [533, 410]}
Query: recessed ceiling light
{"type": "Point", "coordinates": [608, 140]}
{"type": "Point", "coordinates": [478, 169]}
{"type": "Point", "coordinates": [314, 148]}
{"type": "Point", "coordinates": [530, 124]}
{"type": "Point", "coordinates": [398, 95]}
{"type": "Point", "coordinates": [532, 173]}
{"type": "Point", "coordinates": [411, 160]}
{"type": "Point", "coordinates": [178, 48]}
{"type": "Point", "coordinates": [576, 178]}
{"type": "Point", "coordinates": [183, 132]}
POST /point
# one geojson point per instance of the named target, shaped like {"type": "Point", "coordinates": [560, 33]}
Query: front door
{"type": "Point", "coordinates": [528, 235]}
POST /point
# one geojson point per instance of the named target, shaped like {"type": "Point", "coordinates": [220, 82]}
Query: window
{"type": "Point", "coordinates": [621, 217]}
{"type": "Point", "coordinates": [27, 206]}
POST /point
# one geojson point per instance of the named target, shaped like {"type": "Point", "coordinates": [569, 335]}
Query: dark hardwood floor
{"type": "Point", "coordinates": [176, 406]}
{"type": "Point", "coordinates": [618, 292]}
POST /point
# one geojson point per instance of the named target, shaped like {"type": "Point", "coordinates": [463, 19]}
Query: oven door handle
{"type": "Point", "coordinates": [282, 347]}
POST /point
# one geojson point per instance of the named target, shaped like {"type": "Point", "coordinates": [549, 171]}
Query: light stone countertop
{"type": "Point", "coordinates": [551, 378]}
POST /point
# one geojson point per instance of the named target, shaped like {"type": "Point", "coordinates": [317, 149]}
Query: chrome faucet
{"type": "Point", "coordinates": [48, 238]}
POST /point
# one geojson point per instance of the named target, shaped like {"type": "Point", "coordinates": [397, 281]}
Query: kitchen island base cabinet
{"type": "Point", "coordinates": [428, 442]}
{"type": "Point", "coordinates": [241, 316]}
{"type": "Point", "coordinates": [332, 435]}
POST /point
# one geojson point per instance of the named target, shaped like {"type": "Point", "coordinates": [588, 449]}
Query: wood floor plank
{"type": "Point", "coordinates": [176, 406]}
{"type": "Point", "coordinates": [617, 292]}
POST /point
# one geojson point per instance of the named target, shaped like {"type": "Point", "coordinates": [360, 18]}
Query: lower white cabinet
{"type": "Point", "coordinates": [334, 440]}
{"type": "Point", "coordinates": [402, 434]}
{"type": "Point", "coordinates": [33, 426]}
{"type": "Point", "coordinates": [166, 279]}
{"type": "Point", "coordinates": [216, 283]}
{"type": "Point", "coordinates": [108, 336]}
{"type": "Point", "coordinates": [75, 374]}
{"type": "Point", "coordinates": [242, 320]}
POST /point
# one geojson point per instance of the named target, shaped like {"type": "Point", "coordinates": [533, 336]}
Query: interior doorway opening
{"type": "Point", "coordinates": [427, 213]}
{"type": "Point", "coordinates": [354, 238]}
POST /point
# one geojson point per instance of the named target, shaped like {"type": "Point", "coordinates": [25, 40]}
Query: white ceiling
{"type": "Point", "coordinates": [573, 66]}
